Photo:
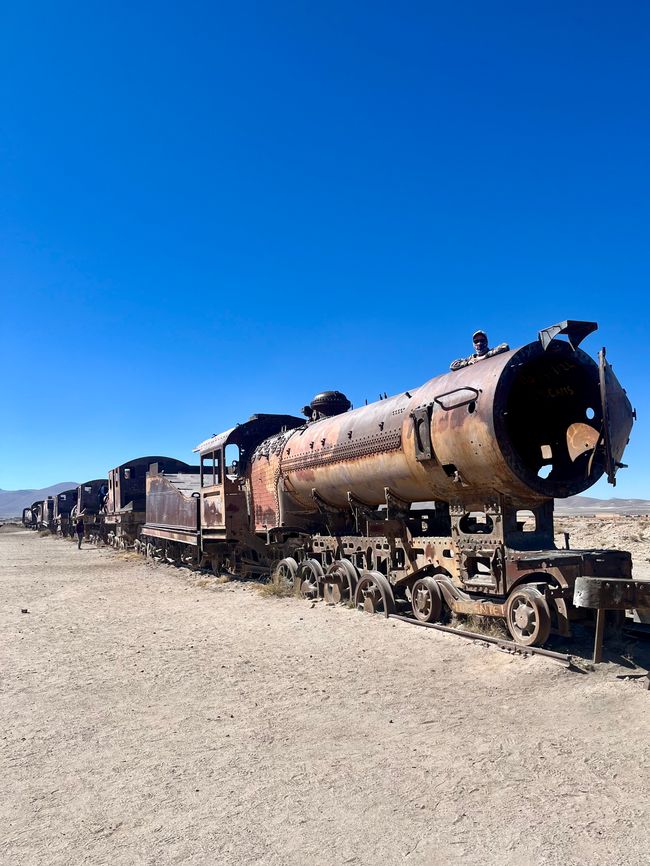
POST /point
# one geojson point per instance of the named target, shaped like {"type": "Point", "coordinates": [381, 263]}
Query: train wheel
{"type": "Point", "coordinates": [310, 575]}
{"type": "Point", "coordinates": [285, 573]}
{"type": "Point", "coordinates": [340, 582]}
{"type": "Point", "coordinates": [426, 600]}
{"type": "Point", "coordinates": [172, 555]}
{"type": "Point", "coordinates": [528, 616]}
{"type": "Point", "coordinates": [190, 559]}
{"type": "Point", "coordinates": [374, 593]}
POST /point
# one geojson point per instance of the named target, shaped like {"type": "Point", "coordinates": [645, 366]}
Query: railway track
{"type": "Point", "coordinates": [563, 659]}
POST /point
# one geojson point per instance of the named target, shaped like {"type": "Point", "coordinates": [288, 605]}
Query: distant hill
{"type": "Point", "coordinates": [589, 505]}
{"type": "Point", "coordinates": [12, 502]}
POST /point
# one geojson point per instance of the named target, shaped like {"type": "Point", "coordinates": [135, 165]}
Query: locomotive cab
{"type": "Point", "coordinates": [225, 460]}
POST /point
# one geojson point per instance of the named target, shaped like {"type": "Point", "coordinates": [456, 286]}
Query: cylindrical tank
{"type": "Point", "coordinates": [527, 423]}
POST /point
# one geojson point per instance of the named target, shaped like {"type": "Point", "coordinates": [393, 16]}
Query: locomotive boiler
{"type": "Point", "coordinates": [534, 424]}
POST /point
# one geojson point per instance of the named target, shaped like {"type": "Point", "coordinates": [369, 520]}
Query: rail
{"type": "Point", "coordinates": [509, 645]}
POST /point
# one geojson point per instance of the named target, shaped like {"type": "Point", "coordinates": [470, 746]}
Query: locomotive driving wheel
{"type": "Point", "coordinates": [340, 582]}
{"type": "Point", "coordinates": [310, 574]}
{"type": "Point", "coordinates": [285, 573]}
{"type": "Point", "coordinates": [528, 616]}
{"type": "Point", "coordinates": [426, 600]}
{"type": "Point", "coordinates": [374, 593]}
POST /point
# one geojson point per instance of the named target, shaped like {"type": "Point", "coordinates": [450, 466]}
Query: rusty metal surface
{"type": "Point", "coordinates": [251, 432]}
{"type": "Point", "coordinates": [575, 331]}
{"type": "Point", "coordinates": [214, 442]}
{"type": "Point", "coordinates": [267, 497]}
{"type": "Point", "coordinates": [178, 535]}
{"type": "Point", "coordinates": [172, 501]}
{"type": "Point", "coordinates": [263, 481]}
{"type": "Point", "coordinates": [597, 563]}
{"type": "Point", "coordinates": [127, 482]}
{"type": "Point", "coordinates": [520, 427]}
{"type": "Point", "coordinates": [611, 593]}
{"type": "Point", "coordinates": [229, 506]}
{"type": "Point", "coordinates": [617, 417]}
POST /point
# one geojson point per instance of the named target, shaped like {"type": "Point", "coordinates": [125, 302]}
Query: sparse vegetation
{"type": "Point", "coordinates": [276, 590]}
{"type": "Point", "coordinates": [487, 625]}
{"type": "Point", "coordinates": [203, 582]}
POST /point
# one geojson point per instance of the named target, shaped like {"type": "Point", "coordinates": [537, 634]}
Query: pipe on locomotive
{"type": "Point", "coordinates": [539, 422]}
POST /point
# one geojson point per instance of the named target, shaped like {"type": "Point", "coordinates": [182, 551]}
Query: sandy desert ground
{"type": "Point", "coordinates": [622, 532]}
{"type": "Point", "coordinates": [152, 716]}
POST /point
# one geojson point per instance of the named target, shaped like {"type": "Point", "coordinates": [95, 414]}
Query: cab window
{"type": "Point", "coordinates": [232, 460]}
{"type": "Point", "coordinates": [211, 469]}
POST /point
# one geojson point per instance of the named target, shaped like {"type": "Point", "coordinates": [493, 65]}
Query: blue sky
{"type": "Point", "coordinates": [209, 209]}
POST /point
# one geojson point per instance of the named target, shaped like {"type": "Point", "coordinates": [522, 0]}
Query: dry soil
{"type": "Point", "coordinates": [150, 716]}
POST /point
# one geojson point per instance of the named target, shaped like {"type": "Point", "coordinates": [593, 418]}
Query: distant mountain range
{"type": "Point", "coordinates": [589, 505]}
{"type": "Point", "coordinates": [12, 502]}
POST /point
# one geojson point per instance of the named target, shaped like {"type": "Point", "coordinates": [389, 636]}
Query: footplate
{"type": "Point", "coordinates": [611, 593]}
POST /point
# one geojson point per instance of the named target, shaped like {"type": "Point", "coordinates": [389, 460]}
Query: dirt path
{"type": "Point", "coordinates": [147, 719]}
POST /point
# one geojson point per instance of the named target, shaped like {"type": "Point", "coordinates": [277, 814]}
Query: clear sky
{"type": "Point", "coordinates": [209, 209]}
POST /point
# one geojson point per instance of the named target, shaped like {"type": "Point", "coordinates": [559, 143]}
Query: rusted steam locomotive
{"type": "Point", "coordinates": [440, 497]}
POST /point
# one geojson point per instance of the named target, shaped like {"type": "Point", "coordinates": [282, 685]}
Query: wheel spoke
{"type": "Point", "coordinates": [528, 616]}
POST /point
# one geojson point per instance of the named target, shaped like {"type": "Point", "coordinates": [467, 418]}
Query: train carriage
{"type": "Point", "coordinates": [28, 518]}
{"type": "Point", "coordinates": [201, 517]}
{"type": "Point", "coordinates": [123, 512]}
{"type": "Point", "coordinates": [37, 512]}
{"type": "Point", "coordinates": [172, 530]}
{"type": "Point", "coordinates": [64, 504]}
{"type": "Point", "coordinates": [42, 512]}
{"type": "Point", "coordinates": [90, 500]}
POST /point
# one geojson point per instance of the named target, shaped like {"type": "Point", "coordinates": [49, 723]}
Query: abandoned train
{"type": "Point", "coordinates": [440, 497]}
